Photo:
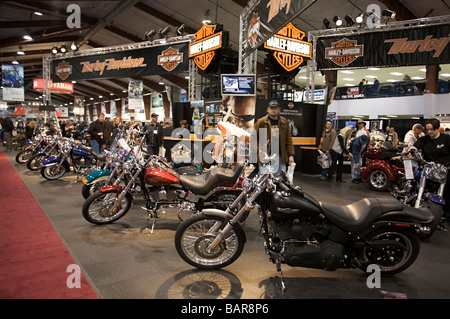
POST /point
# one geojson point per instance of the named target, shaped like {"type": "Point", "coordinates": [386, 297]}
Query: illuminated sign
{"type": "Point", "coordinates": [206, 42]}
{"type": "Point", "coordinates": [288, 47]}
{"type": "Point", "coordinates": [58, 87]}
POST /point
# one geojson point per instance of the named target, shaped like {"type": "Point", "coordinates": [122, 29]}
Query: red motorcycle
{"type": "Point", "coordinates": [383, 168]}
{"type": "Point", "coordinates": [161, 186]}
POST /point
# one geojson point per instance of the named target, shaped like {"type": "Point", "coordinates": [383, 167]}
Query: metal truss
{"type": "Point", "coordinates": [247, 65]}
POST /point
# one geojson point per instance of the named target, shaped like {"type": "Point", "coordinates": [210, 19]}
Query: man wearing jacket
{"type": "Point", "coordinates": [97, 130]}
{"type": "Point", "coordinates": [154, 135]}
{"type": "Point", "coordinates": [8, 128]}
{"type": "Point", "coordinates": [357, 148]}
{"type": "Point", "coordinates": [278, 132]}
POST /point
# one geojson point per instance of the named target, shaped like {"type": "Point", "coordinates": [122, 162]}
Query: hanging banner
{"type": "Point", "coordinates": [163, 59]}
{"type": "Point", "coordinates": [13, 82]}
{"type": "Point", "coordinates": [59, 88]}
{"type": "Point", "coordinates": [424, 45]}
{"type": "Point", "coordinates": [207, 41]}
{"type": "Point", "coordinates": [267, 17]}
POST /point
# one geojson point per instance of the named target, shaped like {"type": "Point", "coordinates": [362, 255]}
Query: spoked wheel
{"type": "Point", "coordinates": [100, 207]}
{"type": "Point", "coordinates": [89, 189]}
{"type": "Point", "coordinates": [23, 156]}
{"type": "Point", "coordinates": [34, 162]}
{"type": "Point", "coordinates": [392, 249]}
{"type": "Point", "coordinates": [53, 172]}
{"type": "Point", "coordinates": [196, 233]}
{"type": "Point", "coordinates": [378, 181]}
{"type": "Point", "coordinates": [437, 211]}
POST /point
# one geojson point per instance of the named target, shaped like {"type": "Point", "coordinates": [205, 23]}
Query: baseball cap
{"type": "Point", "coordinates": [274, 103]}
{"type": "Point", "coordinates": [155, 114]}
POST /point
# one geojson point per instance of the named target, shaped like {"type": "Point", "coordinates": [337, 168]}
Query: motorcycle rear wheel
{"type": "Point", "coordinates": [392, 249]}
{"type": "Point", "coordinates": [378, 180]}
{"type": "Point", "coordinates": [197, 232]}
{"type": "Point", "coordinates": [34, 162]}
{"type": "Point", "coordinates": [53, 172]}
{"type": "Point", "coordinates": [97, 209]}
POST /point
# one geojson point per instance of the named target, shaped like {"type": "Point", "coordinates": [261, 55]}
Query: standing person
{"type": "Point", "coordinates": [153, 135]}
{"type": "Point", "coordinates": [8, 128]}
{"type": "Point", "coordinates": [97, 131]}
{"type": "Point", "coordinates": [328, 137]}
{"type": "Point", "coordinates": [338, 150]}
{"type": "Point", "coordinates": [392, 136]}
{"type": "Point", "coordinates": [411, 137]}
{"type": "Point", "coordinates": [361, 125]}
{"type": "Point", "coordinates": [117, 126]}
{"type": "Point", "coordinates": [435, 147]}
{"type": "Point", "coordinates": [363, 81]}
{"type": "Point", "coordinates": [277, 129]}
{"type": "Point", "coordinates": [108, 130]}
{"type": "Point", "coordinates": [357, 148]}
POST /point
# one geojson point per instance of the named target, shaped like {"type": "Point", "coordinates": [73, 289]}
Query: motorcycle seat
{"type": "Point", "coordinates": [203, 184]}
{"type": "Point", "coordinates": [359, 215]}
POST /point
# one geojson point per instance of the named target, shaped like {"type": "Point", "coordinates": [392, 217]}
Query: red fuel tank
{"type": "Point", "coordinates": [157, 177]}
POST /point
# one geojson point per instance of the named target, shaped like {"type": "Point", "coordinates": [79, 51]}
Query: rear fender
{"type": "Point", "coordinates": [222, 214]}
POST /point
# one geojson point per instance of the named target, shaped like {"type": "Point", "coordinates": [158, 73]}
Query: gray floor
{"type": "Point", "coordinates": [123, 260]}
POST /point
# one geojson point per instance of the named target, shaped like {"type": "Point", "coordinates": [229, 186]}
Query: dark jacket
{"type": "Point", "coordinates": [152, 139]}
{"type": "Point", "coordinates": [286, 145]}
{"type": "Point", "coordinates": [95, 128]}
{"type": "Point", "coordinates": [8, 125]}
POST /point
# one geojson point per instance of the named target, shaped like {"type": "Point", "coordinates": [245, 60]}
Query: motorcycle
{"type": "Point", "coordinates": [383, 167]}
{"type": "Point", "coordinates": [163, 187]}
{"type": "Point", "coordinates": [38, 144]}
{"type": "Point", "coordinates": [71, 155]}
{"type": "Point", "coordinates": [302, 232]}
{"type": "Point", "coordinates": [34, 162]}
{"type": "Point", "coordinates": [423, 186]}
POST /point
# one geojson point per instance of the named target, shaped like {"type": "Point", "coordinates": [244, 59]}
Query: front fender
{"type": "Point", "coordinates": [96, 174]}
{"type": "Point", "coordinates": [223, 214]}
{"type": "Point", "coordinates": [55, 160]}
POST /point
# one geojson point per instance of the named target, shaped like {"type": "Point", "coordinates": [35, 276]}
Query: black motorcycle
{"type": "Point", "coordinates": [301, 232]}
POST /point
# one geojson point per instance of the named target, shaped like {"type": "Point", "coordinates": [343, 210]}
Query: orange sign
{"type": "Point", "coordinates": [289, 47]}
{"type": "Point", "coordinates": [59, 87]}
{"type": "Point", "coordinates": [344, 51]}
{"type": "Point", "coordinates": [206, 42]}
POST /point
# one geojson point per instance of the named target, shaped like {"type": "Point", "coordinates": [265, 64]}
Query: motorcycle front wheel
{"type": "Point", "coordinates": [98, 208]}
{"type": "Point", "coordinates": [53, 172]}
{"type": "Point", "coordinates": [34, 162]}
{"type": "Point", "coordinates": [23, 156]}
{"type": "Point", "coordinates": [437, 211]}
{"type": "Point", "coordinates": [196, 233]}
{"type": "Point", "coordinates": [392, 249]}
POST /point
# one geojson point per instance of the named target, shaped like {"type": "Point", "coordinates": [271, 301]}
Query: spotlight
{"type": "Point", "coordinates": [63, 49]}
{"type": "Point", "coordinates": [20, 52]}
{"type": "Point", "coordinates": [326, 23]}
{"type": "Point", "coordinates": [388, 13]}
{"type": "Point", "coordinates": [54, 50]}
{"type": "Point", "coordinates": [180, 29]}
{"type": "Point", "coordinates": [337, 20]}
{"type": "Point", "coordinates": [149, 35]}
{"type": "Point", "coordinates": [349, 20]}
{"type": "Point", "coordinates": [163, 32]}
{"type": "Point", "coordinates": [74, 46]}
{"type": "Point", "coordinates": [360, 18]}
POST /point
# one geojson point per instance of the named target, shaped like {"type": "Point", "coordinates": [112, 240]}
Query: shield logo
{"type": "Point", "coordinates": [344, 51]}
{"type": "Point", "coordinates": [63, 70]}
{"type": "Point", "coordinates": [170, 58]}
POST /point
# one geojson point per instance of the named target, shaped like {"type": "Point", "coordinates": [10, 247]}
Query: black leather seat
{"type": "Point", "coordinates": [202, 184]}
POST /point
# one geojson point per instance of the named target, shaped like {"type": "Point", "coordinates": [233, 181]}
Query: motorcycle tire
{"type": "Point", "coordinates": [96, 209]}
{"type": "Point", "coordinates": [89, 189]}
{"type": "Point", "coordinates": [437, 211]}
{"type": "Point", "coordinates": [52, 172]}
{"type": "Point", "coordinates": [197, 232]}
{"type": "Point", "coordinates": [23, 156]}
{"type": "Point", "coordinates": [393, 249]}
{"type": "Point", "coordinates": [378, 181]}
{"type": "Point", "coordinates": [34, 162]}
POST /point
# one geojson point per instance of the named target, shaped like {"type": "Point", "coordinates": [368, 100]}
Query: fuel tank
{"type": "Point", "coordinates": [158, 177]}
{"type": "Point", "coordinates": [81, 152]}
{"type": "Point", "coordinates": [293, 204]}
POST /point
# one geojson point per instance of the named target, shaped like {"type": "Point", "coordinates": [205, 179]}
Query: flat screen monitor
{"type": "Point", "coordinates": [238, 84]}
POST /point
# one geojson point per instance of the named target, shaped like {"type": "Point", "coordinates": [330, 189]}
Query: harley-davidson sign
{"type": "Point", "coordinates": [288, 47]}
{"type": "Point", "coordinates": [170, 58]}
{"type": "Point", "coordinates": [344, 52]}
{"type": "Point", "coordinates": [206, 42]}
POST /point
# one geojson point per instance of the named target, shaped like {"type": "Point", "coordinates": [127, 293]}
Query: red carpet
{"type": "Point", "coordinates": [33, 259]}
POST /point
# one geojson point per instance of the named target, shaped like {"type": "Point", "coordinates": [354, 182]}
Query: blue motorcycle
{"type": "Point", "coordinates": [71, 157]}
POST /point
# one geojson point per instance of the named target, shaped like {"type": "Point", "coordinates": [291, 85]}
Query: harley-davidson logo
{"type": "Point", "coordinates": [253, 29]}
{"type": "Point", "coordinates": [206, 42]}
{"type": "Point", "coordinates": [289, 47]}
{"type": "Point", "coordinates": [63, 70]}
{"type": "Point", "coordinates": [170, 59]}
{"type": "Point", "coordinates": [344, 52]}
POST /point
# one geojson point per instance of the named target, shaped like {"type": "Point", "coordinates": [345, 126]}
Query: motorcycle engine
{"type": "Point", "coordinates": [82, 161]}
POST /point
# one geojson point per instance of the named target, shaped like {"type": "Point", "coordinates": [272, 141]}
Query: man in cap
{"type": "Point", "coordinates": [278, 134]}
{"type": "Point", "coordinates": [154, 135]}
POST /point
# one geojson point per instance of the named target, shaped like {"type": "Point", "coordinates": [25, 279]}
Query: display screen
{"type": "Point", "coordinates": [238, 84]}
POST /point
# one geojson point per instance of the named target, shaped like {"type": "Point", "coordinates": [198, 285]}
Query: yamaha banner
{"type": "Point", "coordinates": [171, 58]}
{"type": "Point", "coordinates": [425, 45]}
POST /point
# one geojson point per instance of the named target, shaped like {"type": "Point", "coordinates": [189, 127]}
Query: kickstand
{"type": "Point", "coordinates": [151, 215]}
{"type": "Point", "coordinates": [282, 284]}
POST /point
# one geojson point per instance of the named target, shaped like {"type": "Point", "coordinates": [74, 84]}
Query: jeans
{"type": "Point", "coordinates": [96, 147]}
{"type": "Point", "coordinates": [356, 174]}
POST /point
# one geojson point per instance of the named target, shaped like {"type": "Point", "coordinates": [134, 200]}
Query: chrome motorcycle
{"type": "Point", "coordinates": [302, 232]}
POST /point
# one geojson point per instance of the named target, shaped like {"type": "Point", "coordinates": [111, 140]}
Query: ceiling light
{"type": "Point", "coordinates": [396, 73]}
{"type": "Point", "coordinates": [391, 80]}
{"type": "Point", "coordinates": [326, 23]}
{"type": "Point", "coordinates": [349, 20]}
{"type": "Point", "coordinates": [149, 35]}
{"type": "Point", "coordinates": [347, 72]}
{"type": "Point", "coordinates": [20, 52]}
{"type": "Point", "coordinates": [337, 20]}
{"type": "Point", "coordinates": [37, 13]}
{"type": "Point", "coordinates": [360, 18]}
{"type": "Point", "coordinates": [27, 37]}
{"type": "Point", "coordinates": [418, 78]}
{"type": "Point", "coordinates": [54, 50]}
{"type": "Point", "coordinates": [180, 29]}
{"type": "Point", "coordinates": [388, 13]}
{"type": "Point", "coordinates": [161, 83]}
{"type": "Point", "coordinates": [348, 79]}
{"type": "Point", "coordinates": [446, 74]}
{"type": "Point", "coordinates": [15, 62]}
{"type": "Point", "coordinates": [373, 69]}
{"type": "Point", "coordinates": [63, 49]}
{"type": "Point", "coordinates": [163, 32]}
{"type": "Point", "coordinates": [74, 46]}
{"type": "Point", "coordinates": [206, 20]}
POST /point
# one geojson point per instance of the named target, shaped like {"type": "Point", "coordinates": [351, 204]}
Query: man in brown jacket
{"type": "Point", "coordinates": [328, 137]}
{"type": "Point", "coordinates": [277, 127]}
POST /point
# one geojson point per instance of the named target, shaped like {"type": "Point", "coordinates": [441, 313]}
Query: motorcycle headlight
{"type": "Point", "coordinates": [436, 172]}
